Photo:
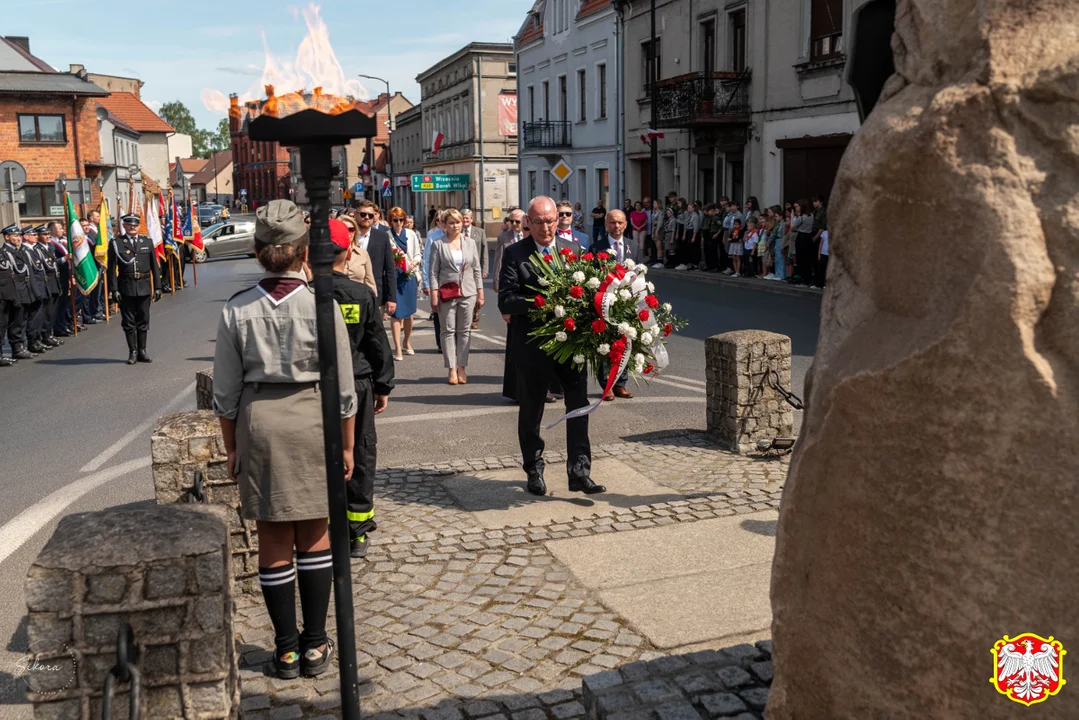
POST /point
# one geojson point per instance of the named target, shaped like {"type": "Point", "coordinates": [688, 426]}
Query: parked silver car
{"type": "Point", "coordinates": [228, 240]}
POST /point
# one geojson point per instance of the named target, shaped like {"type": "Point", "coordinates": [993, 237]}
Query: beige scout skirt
{"type": "Point", "coordinates": [279, 442]}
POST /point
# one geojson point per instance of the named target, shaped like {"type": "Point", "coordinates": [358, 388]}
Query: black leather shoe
{"type": "Point", "coordinates": [64, 333]}
{"type": "Point", "coordinates": [131, 358]}
{"type": "Point", "coordinates": [586, 486]}
{"type": "Point", "coordinates": [23, 354]}
{"type": "Point", "coordinates": [56, 342]}
{"type": "Point", "coordinates": [535, 485]}
{"type": "Point", "coordinates": [36, 348]}
{"type": "Point", "coordinates": [358, 547]}
{"type": "Point", "coordinates": [143, 357]}
{"type": "Point", "coordinates": [6, 362]}
{"type": "Point", "coordinates": [90, 321]}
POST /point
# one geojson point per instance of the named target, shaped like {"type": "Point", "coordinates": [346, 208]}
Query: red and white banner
{"type": "Point", "coordinates": [647, 136]}
{"type": "Point", "coordinates": [507, 114]}
{"type": "Point", "coordinates": [436, 142]}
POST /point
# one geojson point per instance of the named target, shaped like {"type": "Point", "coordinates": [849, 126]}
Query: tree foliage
{"type": "Point", "coordinates": [203, 142]}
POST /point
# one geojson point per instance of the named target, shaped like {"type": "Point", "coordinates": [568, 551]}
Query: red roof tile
{"type": "Point", "coordinates": [132, 111]}
{"type": "Point", "coordinates": [220, 160]}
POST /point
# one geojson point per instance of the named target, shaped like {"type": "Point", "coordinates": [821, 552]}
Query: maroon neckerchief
{"type": "Point", "coordinates": [278, 289]}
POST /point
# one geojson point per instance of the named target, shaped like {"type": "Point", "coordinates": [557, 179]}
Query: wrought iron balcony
{"type": "Point", "coordinates": [703, 99]}
{"type": "Point", "coordinates": [547, 134]}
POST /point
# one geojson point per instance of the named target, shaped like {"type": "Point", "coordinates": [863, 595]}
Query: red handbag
{"type": "Point", "coordinates": [449, 291]}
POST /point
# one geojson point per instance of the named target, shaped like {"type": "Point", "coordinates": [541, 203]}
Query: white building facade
{"type": "Point", "coordinates": [406, 146]}
{"type": "Point", "coordinates": [752, 97]}
{"type": "Point", "coordinates": [568, 104]}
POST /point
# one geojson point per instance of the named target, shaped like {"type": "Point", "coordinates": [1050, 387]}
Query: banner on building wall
{"type": "Point", "coordinates": [507, 114]}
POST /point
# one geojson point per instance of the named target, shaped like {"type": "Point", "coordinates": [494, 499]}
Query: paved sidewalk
{"type": "Point", "coordinates": [773, 286]}
{"type": "Point", "coordinates": [479, 600]}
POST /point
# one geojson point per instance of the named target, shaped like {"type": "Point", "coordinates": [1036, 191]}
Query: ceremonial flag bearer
{"type": "Point", "coordinates": [133, 262]}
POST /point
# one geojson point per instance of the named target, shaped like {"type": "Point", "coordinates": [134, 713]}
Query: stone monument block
{"type": "Point", "coordinates": [204, 389]}
{"type": "Point", "coordinates": [186, 445]}
{"type": "Point", "coordinates": [164, 571]}
{"type": "Point", "coordinates": [930, 507]}
{"type": "Point", "coordinates": [743, 404]}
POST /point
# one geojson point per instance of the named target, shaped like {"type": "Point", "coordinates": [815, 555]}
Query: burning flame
{"type": "Point", "coordinates": [316, 66]}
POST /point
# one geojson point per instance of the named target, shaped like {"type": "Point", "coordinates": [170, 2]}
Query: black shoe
{"type": "Point", "coordinates": [551, 398]}
{"type": "Point", "coordinates": [36, 347]}
{"type": "Point", "coordinates": [359, 547]}
{"type": "Point", "coordinates": [131, 358]}
{"type": "Point", "coordinates": [23, 354]}
{"type": "Point", "coordinates": [91, 321]}
{"type": "Point", "coordinates": [143, 357]}
{"type": "Point", "coordinates": [63, 333]}
{"type": "Point", "coordinates": [50, 342]}
{"type": "Point", "coordinates": [100, 318]}
{"type": "Point", "coordinates": [81, 326]}
{"type": "Point", "coordinates": [315, 662]}
{"type": "Point", "coordinates": [56, 342]}
{"type": "Point", "coordinates": [7, 362]}
{"type": "Point", "coordinates": [586, 486]}
{"type": "Point", "coordinates": [535, 485]}
{"type": "Point", "coordinates": [287, 667]}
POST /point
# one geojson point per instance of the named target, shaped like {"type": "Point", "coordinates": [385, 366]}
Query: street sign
{"type": "Point", "coordinates": [561, 171]}
{"type": "Point", "coordinates": [440, 183]}
{"type": "Point", "coordinates": [78, 188]}
{"type": "Point", "coordinates": [387, 192]}
{"type": "Point", "coordinates": [12, 175]}
{"type": "Point", "coordinates": [490, 179]}
{"type": "Point", "coordinates": [357, 187]}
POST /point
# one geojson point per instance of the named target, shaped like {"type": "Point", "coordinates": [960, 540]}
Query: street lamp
{"type": "Point", "coordinates": [390, 128]}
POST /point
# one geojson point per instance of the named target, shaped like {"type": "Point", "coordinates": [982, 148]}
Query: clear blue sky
{"type": "Point", "coordinates": [217, 44]}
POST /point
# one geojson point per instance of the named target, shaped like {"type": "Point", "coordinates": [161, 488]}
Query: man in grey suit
{"type": "Point", "coordinates": [478, 236]}
{"type": "Point", "coordinates": [377, 242]}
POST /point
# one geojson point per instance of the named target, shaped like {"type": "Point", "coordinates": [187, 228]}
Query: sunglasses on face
{"type": "Point", "coordinates": [396, 220]}
{"type": "Point", "coordinates": [565, 214]}
{"type": "Point", "coordinates": [515, 222]}
{"type": "Point", "coordinates": [366, 215]}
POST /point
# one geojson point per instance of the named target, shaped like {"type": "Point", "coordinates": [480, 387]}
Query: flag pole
{"type": "Point", "coordinates": [172, 274]}
{"type": "Point", "coordinates": [70, 271]}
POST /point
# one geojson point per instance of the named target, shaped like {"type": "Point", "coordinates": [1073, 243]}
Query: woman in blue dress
{"type": "Point", "coordinates": [408, 242]}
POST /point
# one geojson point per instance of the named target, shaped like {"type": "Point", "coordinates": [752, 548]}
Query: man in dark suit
{"type": "Point", "coordinates": [565, 227]}
{"type": "Point", "coordinates": [479, 237]}
{"type": "Point", "coordinates": [617, 245]}
{"type": "Point", "coordinates": [516, 291]}
{"type": "Point", "coordinates": [133, 262]}
{"type": "Point", "coordinates": [377, 242]}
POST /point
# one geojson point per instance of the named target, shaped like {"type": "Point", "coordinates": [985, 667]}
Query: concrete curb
{"type": "Point", "coordinates": [772, 286]}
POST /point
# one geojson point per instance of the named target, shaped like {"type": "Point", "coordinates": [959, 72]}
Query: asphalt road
{"type": "Point", "coordinates": [75, 431]}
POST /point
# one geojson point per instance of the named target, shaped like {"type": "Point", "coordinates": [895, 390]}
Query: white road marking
{"type": "Point", "coordinates": [26, 524]}
{"type": "Point", "coordinates": [691, 381]}
{"type": "Point", "coordinates": [512, 409]}
{"type": "Point", "coordinates": [105, 455]}
{"type": "Point", "coordinates": [496, 341]}
{"type": "Point", "coordinates": [664, 381]}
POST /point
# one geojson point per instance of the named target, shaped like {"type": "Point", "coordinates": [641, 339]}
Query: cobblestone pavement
{"type": "Point", "coordinates": [456, 621]}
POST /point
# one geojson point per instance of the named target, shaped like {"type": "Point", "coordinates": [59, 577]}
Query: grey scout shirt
{"type": "Point", "coordinates": [264, 340]}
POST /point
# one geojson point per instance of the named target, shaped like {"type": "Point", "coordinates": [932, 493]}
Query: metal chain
{"type": "Point", "coordinates": [793, 400]}
{"type": "Point", "coordinates": [125, 670]}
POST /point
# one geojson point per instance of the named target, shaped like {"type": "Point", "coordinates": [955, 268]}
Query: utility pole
{"type": "Point", "coordinates": [653, 65]}
{"type": "Point", "coordinates": [480, 186]}
{"type": "Point", "coordinates": [389, 131]}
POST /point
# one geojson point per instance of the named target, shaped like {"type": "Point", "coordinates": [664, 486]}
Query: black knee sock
{"type": "Point", "coordinates": [279, 592]}
{"type": "Point", "coordinates": [314, 572]}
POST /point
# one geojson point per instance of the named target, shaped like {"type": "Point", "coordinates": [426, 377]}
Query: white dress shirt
{"type": "Point", "coordinates": [618, 247]}
{"type": "Point", "coordinates": [364, 240]}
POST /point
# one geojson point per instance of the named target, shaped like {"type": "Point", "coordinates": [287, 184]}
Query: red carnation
{"type": "Point", "coordinates": [619, 272]}
{"type": "Point", "coordinates": [569, 324]}
{"type": "Point", "coordinates": [565, 251]}
{"type": "Point", "coordinates": [548, 259]}
{"type": "Point", "coordinates": [598, 326]}
{"type": "Point", "coordinates": [668, 329]}
{"type": "Point", "coordinates": [618, 346]}
{"type": "Point", "coordinates": [652, 301]}
{"type": "Point", "coordinates": [643, 315]}
{"type": "Point", "coordinates": [571, 258]}
{"type": "Point", "coordinates": [539, 301]}
{"type": "Point", "coordinates": [588, 256]}
{"type": "Point", "coordinates": [648, 368]}
{"type": "Point", "coordinates": [576, 291]}
{"type": "Point", "coordinates": [603, 256]}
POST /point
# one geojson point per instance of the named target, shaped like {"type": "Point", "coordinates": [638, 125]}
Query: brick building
{"type": "Point", "coordinates": [260, 168]}
{"type": "Point", "coordinates": [48, 123]}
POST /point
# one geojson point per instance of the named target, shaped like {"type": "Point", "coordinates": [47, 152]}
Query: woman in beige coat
{"type": "Point", "coordinates": [455, 262]}
{"type": "Point", "coordinates": [359, 266]}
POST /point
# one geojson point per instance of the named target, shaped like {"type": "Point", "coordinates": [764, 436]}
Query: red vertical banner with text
{"type": "Point", "coordinates": [507, 114]}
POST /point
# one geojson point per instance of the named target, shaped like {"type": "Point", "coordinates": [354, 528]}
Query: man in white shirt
{"type": "Point", "coordinates": [565, 231]}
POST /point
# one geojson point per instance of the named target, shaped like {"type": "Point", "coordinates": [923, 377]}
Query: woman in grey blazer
{"type": "Point", "coordinates": [455, 260]}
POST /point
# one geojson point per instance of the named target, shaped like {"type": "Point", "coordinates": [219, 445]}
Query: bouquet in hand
{"type": "Point", "coordinates": [593, 311]}
{"type": "Point", "coordinates": [401, 261]}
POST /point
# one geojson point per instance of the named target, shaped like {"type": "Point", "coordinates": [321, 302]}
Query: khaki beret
{"type": "Point", "coordinates": [279, 222]}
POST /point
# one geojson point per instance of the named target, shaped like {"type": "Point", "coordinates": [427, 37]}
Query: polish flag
{"type": "Point", "coordinates": [436, 143]}
{"type": "Point", "coordinates": [647, 136]}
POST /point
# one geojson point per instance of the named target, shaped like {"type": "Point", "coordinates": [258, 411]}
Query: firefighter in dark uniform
{"type": "Point", "coordinates": [35, 313]}
{"type": "Point", "coordinates": [10, 307]}
{"type": "Point", "coordinates": [134, 265]}
{"type": "Point", "coordinates": [24, 297]}
{"type": "Point", "coordinates": [372, 366]}
{"type": "Point", "coordinates": [52, 281]}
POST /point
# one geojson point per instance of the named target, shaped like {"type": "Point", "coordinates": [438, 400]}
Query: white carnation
{"type": "Point", "coordinates": [628, 264]}
{"type": "Point", "coordinates": [559, 311]}
{"type": "Point", "coordinates": [543, 282]}
{"type": "Point", "coordinates": [604, 349]}
{"type": "Point", "coordinates": [647, 338]}
{"type": "Point", "coordinates": [631, 332]}
{"type": "Point", "coordinates": [592, 284]}
{"type": "Point", "coordinates": [667, 307]}
{"type": "Point", "coordinates": [642, 269]}
{"type": "Point", "coordinates": [639, 359]}
{"type": "Point", "coordinates": [651, 288]}
{"type": "Point", "coordinates": [579, 359]}
{"type": "Point", "coordinates": [625, 294]}
{"type": "Point", "coordinates": [624, 328]}
{"type": "Point", "coordinates": [561, 336]}
{"type": "Point", "coordinates": [578, 277]}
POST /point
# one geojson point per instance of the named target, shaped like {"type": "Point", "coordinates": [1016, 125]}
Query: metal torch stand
{"type": "Point", "coordinates": [316, 170]}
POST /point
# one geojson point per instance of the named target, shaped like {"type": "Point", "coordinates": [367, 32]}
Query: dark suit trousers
{"type": "Point", "coordinates": [135, 313]}
{"type": "Point", "coordinates": [14, 322]}
{"type": "Point", "coordinates": [532, 386]}
{"type": "Point", "coordinates": [35, 320]}
{"type": "Point", "coordinates": [360, 488]}
{"type": "Point", "coordinates": [64, 322]}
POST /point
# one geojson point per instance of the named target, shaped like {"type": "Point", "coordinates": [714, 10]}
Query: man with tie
{"type": "Point", "coordinates": [516, 292]}
{"type": "Point", "coordinates": [566, 233]}
{"type": "Point", "coordinates": [376, 241]}
{"type": "Point", "coordinates": [615, 244]}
